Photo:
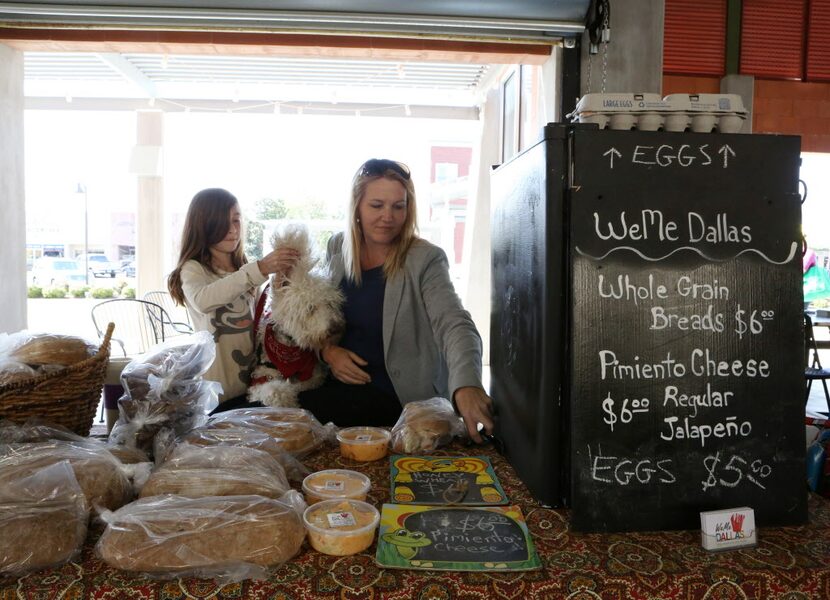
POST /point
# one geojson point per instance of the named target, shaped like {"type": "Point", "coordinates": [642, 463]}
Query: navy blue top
{"type": "Point", "coordinates": [363, 310]}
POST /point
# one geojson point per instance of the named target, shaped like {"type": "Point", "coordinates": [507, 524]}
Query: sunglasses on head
{"type": "Point", "coordinates": [376, 167]}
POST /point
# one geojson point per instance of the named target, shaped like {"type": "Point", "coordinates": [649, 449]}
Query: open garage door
{"type": "Point", "coordinates": [512, 20]}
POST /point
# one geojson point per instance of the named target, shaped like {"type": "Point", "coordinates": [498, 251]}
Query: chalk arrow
{"type": "Point", "coordinates": [726, 151]}
{"type": "Point", "coordinates": [613, 152]}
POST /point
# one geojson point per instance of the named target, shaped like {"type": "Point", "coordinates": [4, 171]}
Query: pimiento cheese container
{"type": "Point", "coordinates": [364, 443]}
{"type": "Point", "coordinates": [335, 483]}
{"type": "Point", "coordinates": [341, 527]}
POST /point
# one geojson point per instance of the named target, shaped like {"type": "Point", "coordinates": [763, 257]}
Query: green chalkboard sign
{"type": "Point", "coordinates": [455, 538]}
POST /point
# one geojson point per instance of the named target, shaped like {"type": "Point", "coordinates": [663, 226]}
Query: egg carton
{"type": "Point", "coordinates": [649, 112]}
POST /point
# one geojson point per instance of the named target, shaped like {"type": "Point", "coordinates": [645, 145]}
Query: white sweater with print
{"type": "Point", "coordinates": [223, 304]}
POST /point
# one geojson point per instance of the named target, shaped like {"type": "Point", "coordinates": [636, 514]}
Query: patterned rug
{"type": "Point", "coordinates": [789, 563]}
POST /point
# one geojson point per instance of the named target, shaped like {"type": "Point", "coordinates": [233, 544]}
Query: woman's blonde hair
{"type": "Point", "coordinates": [372, 170]}
{"type": "Point", "coordinates": [207, 223]}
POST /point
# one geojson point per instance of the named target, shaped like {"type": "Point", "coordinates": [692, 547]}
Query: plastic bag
{"type": "Point", "coordinates": [244, 437]}
{"type": "Point", "coordinates": [12, 370]}
{"type": "Point", "coordinates": [37, 430]}
{"type": "Point", "coordinates": [424, 425]}
{"type": "Point", "coordinates": [296, 430]}
{"type": "Point", "coordinates": [43, 518]}
{"type": "Point", "coordinates": [102, 477]}
{"type": "Point", "coordinates": [164, 389]}
{"type": "Point", "coordinates": [228, 538]}
{"type": "Point", "coordinates": [140, 421]}
{"type": "Point", "coordinates": [218, 471]}
{"type": "Point", "coordinates": [25, 354]}
{"type": "Point", "coordinates": [37, 349]}
{"type": "Point", "coordinates": [166, 365]}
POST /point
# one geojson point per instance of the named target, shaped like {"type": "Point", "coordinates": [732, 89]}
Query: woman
{"type": "Point", "coordinates": [407, 336]}
{"type": "Point", "coordinates": [219, 287]}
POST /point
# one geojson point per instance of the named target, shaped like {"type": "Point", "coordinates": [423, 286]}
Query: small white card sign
{"type": "Point", "coordinates": [728, 529]}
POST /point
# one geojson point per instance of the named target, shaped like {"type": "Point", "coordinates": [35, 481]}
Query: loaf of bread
{"type": "Point", "coordinates": [36, 430]}
{"type": "Point", "coordinates": [100, 475]}
{"type": "Point", "coordinates": [424, 426]}
{"type": "Point", "coordinates": [199, 483]}
{"type": "Point", "coordinates": [171, 534]}
{"type": "Point", "coordinates": [296, 431]}
{"type": "Point", "coordinates": [49, 349]}
{"type": "Point", "coordinates": [240, 437]}
{"type": "Point", "coordinates": [217, 471]}
{"type": "Point", "coordinates": [12, 371]}
{"type": "Point", "coordinates": [43, 518]}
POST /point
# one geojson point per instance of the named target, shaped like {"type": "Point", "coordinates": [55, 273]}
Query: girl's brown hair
{"type": "Point", "coordinates": [372, 170]}
{"type": "Point", "coordinates": [207, 223]}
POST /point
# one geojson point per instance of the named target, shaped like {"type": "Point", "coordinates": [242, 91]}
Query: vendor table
{"type": "Point", "coordinates": [642, 565]}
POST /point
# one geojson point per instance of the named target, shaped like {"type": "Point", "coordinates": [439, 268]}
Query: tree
{"type": "Point", "coordinates": [266, 209]}
{"type": "Point", "coordinates": [269, 209]}
{"type": "Point", "coordinates": [253, 239]}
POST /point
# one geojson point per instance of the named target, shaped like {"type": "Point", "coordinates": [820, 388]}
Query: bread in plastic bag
{"type": "Point", "coordinates": [296, 430]}
{"type": "Point", "coordinates": [197, 472]}
{"type": "Point", "coordinates": [228, 538]}
{"type": "Point", "coordinates": [425, 425]}
{"type": "Point", "coordinates": [13, 370]}
{"type": "Point", "coordinates": [102, 477]}
{"type": "Point", "coordinates": [245, 437]}
{"type": "Point", "coordinates": [43, 518]}
{"type": "Point", "coordinates": [162, 368]}
{"type": "Point", "coordinates": [38, 349]}
{"type": "Point", "coordinates": [164, 389]}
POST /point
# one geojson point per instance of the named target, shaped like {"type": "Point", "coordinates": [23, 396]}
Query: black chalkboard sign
{"type": "Point", "coordinates": [455, 538]}
{"type": "Point", "coordinates": [468, 480]}
{"type": "Point", "coordinates": [686, 374]}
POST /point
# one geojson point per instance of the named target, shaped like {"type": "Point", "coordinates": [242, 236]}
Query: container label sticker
{"type": "Point", "coordinates": [334, 486]}
{"type": "Point", "coordinates": [363, 438]}
{"type": "Point", "coordinates": [341, 519]}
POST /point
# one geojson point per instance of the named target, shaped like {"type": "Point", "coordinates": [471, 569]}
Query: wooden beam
{"type": "Point", "coordinates": [228, 43]}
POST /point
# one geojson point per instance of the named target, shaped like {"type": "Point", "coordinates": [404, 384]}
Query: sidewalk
{"type": "Point", "coordinates": [68, 316]}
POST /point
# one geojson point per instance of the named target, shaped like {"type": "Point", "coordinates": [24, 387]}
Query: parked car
{"type": "Point", "coordinates": [128, 268]}
{"type": "Point", "coordinates": [99, 264]}
{"type": "Point", "coordinates": [57, 271]}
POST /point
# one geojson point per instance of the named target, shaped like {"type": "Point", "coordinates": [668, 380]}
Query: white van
{"type": "Point", "coordinates": [51, 270]}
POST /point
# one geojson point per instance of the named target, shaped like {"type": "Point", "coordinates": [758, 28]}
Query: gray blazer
{"type": "Point", "coordinates": [430, 344]}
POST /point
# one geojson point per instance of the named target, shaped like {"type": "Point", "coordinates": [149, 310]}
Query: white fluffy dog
{"type": "Point", "coordinates": [303, 311]}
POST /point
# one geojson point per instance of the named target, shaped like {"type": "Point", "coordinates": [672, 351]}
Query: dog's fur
{"type": "Point", "coordinates": [305, 312]}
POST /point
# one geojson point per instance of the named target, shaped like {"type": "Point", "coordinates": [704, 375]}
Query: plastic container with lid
{"type": "Point", "coordinates": [335, 483]}
{"type": "Point", "coordinates": [364, 443]}
{"type": "Point", "coordinates": [341, 527]}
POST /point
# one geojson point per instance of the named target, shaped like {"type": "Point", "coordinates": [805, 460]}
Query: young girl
{"type": "Point", "coordinates": [219, 287]}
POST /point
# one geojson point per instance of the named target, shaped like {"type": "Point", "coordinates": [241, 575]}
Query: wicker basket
{"type": "Point", "coordinates": [68, 397]}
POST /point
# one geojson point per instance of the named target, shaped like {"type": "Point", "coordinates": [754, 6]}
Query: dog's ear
{"type": "Point", "coordinates": [275, 239]}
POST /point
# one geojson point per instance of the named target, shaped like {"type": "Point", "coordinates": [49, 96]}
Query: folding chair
{"type": "Point", "coordinates": [814, 371]}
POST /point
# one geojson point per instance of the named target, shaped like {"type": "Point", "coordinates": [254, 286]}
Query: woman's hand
{"type": "Point", "coordinates": [475, 406]}
{"type": "Point", "coordinates": [345, 365]}
{"type": "Point", "coordinates": [279, 262]}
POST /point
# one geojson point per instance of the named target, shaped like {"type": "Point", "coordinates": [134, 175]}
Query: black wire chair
{"type": "Point", "coordinates": [139, 324]}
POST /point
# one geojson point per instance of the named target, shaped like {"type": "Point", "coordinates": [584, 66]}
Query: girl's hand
{"type": "Point", "coordinates": [475, 407]}
{"type": "Point", "coordinates": [279, 262]}
{"type": "Point", "coordinates": [345, 365]}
